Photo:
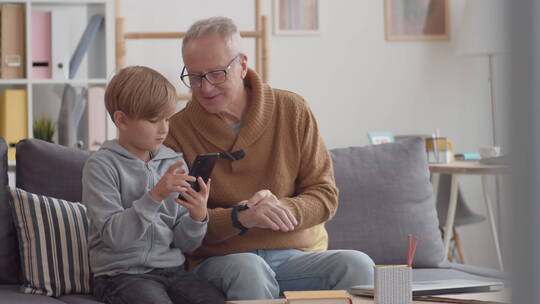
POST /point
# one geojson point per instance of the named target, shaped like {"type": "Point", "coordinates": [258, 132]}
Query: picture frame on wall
{"type": "Point", "coordinates": [409, 20]}
{"type": "Point", "coordinates": [296, 17]}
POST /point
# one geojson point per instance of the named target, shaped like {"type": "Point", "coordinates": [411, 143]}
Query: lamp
{"type": "Point", "coordinates": [484, 32]}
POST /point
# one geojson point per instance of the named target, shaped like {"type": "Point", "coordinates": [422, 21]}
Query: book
{"type": "Point", "coordinates": [84, 44]}
{"type": "Point", "coordinates": [13, 118]}
{"type": "Point", "coordinates": [71, 112]}
{"type": "Point", "coordinates": [41, 45]}
{"type": "Point", "coordinates": [97, 118]}
{"type": "Point", "coordinates": [467, 156]}
{"type": "Point", "coordinates": [318, 297]}
{"type": "Point", "coordinates": [12, 41]}
{"type": "Point", "coordinates": [60, 43]}
{"type": "Point", "coordinates": [501, 160]}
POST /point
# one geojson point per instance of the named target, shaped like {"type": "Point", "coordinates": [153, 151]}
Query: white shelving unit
{"type": "Point", "coordinates": [98, 64]}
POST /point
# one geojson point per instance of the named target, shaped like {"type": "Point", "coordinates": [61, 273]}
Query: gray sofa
{"type": "Point", "coordinates": [384, 195]}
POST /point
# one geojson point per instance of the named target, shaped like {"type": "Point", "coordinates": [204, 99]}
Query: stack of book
{"type": "Point", "coordinates": [53, 32]}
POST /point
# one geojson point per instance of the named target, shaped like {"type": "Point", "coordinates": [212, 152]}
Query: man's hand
{"type": "Point", "coordinates": [174, 180]}
{"type": "Point", "coordinates": [196, 202]}
{"type": "Point", "coordinates": [266, 211]}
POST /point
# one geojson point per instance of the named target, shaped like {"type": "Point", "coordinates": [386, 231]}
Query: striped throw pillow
{"type": "Point", "coordinates": [53, 248]}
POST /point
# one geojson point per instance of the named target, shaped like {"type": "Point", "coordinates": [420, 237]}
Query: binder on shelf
{"type": "Point", "coordinates": [82, 48]}
{"type": "Point", "coordinates": [13, 118]}
{"type": "Point", "coordinates": [97, 118]}
{"type": "Point", "coordinates": [41, 44]}
{"type": "Point", "coordinates": [12, 41]}
{"type": "Point", "coordinates": [60, 44]}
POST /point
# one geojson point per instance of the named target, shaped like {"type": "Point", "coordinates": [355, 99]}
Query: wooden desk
{"type": "Point", "coordinates": [456, 169]}
{"type": "Point", "coordinates": [476, 298]}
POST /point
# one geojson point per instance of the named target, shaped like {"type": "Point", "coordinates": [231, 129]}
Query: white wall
{"type": "Point", "coordinates": [354, 80]}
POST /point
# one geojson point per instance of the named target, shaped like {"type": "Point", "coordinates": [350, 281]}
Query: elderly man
{"type": "Point", "coordinates": [268, 204]}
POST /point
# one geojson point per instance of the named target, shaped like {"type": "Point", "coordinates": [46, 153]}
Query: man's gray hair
{"type": "Point", "coordinates": [223, 26]}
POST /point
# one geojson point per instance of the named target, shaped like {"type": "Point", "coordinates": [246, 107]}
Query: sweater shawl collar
{"type": "Point", "coordinates": [257, 118]}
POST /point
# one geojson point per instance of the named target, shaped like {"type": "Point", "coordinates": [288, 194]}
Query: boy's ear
{"type": "Point", "coordinates": [120, 119]}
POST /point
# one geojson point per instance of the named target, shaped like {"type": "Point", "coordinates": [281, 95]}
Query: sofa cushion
{"type": "Point", "coordinates": [79, 299]}
{"type": "Point", "coordinates": [49, 169]}
{"type": "Point", "coordinates": [53, 244]}
{"type": "Point", "coordinates": [11, 294]}
{"type": "Point", "coordinates": [385, 194]}
{"type": "Point", "coordinates": [9, 254]}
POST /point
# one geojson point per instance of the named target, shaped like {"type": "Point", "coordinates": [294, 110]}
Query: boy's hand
{"type": "Point", "coordinates": [174, 180]}
{"type": "Point", "coordinates": [196, 202]}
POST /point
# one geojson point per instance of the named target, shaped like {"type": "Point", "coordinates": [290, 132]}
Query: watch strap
{"type": "Point", "coordinates": [234, 217]}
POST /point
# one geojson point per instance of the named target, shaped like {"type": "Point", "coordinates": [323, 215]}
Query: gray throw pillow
{"type": "Point", "coordinates": [50, 169]}
{"type": "Point", "coordinates": [9, 252]}
{"type": "Point", "coordinates": [385, 194]}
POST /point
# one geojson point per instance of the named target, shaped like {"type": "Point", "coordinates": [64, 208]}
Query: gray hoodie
{"type": "Point", "coordinates": [129, 232]}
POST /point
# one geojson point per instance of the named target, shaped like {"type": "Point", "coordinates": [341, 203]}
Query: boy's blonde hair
{"type": "Point", "coordinates": [141, 93]}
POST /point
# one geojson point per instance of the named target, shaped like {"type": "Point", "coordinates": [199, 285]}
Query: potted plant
{"type": "Point", "coordinates": [44, 128]}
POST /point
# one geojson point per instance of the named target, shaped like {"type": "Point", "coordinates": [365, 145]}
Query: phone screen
{"type": "Point", "coordinates": [202, 167]}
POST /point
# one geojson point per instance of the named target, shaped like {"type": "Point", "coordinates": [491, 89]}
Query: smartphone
{"type": "Point", "coordinates": [202, 167]}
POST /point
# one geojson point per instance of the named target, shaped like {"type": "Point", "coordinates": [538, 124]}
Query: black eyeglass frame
{"type": "Point", "coordinates": [201, 76]}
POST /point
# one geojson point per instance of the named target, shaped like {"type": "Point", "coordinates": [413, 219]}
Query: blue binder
{"type": "Point", "coordinates": [82, 47]}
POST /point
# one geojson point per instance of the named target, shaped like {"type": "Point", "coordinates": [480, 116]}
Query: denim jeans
{"type": "Point", "coordinates": [265, 274]}
{"type": "Point", "coordinates": [164, 286]}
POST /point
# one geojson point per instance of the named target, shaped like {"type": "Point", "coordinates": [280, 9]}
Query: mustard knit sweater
{"type": "Point", "coordinates": [283, 153]}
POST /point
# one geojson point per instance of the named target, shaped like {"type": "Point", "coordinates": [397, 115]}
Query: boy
{"type": "Point", "coordinates": [138, 228]}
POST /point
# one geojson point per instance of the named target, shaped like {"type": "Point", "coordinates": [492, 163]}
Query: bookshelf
{"type": "Point", "coordinates": [44, 95]}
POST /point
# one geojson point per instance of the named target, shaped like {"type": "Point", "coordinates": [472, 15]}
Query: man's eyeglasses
{"type": "Point", "coordinates": [213, 77]}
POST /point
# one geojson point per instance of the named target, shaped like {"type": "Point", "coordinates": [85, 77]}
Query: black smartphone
{"type": "Point", "coordinates": [202, 167]}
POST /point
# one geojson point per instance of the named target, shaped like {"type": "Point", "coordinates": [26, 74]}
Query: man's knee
{"type": "Point", "coordinates": [357, 260]}
{"type": "Point", "coordinates": [241, 276]}
{"type": "Point", "coordinates": [356, 267]}
{"type": "Point", "coordinates": [245, 266]}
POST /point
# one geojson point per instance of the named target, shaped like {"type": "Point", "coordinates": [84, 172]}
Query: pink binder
{"type": "Point", "coordinates": [97, 118]}
{"type": "Point", "coordinates": [41, 44]}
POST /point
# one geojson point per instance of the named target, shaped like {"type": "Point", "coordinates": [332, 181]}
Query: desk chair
{"type": "Point", "coordinates": [464, 215]}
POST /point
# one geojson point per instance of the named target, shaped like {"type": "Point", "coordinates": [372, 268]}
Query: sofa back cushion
{"type": "Point", "coordinates": [53, 244]}
{"type": "Point", "coordinates": [9, 253]}
{"type": "Point", "coordinates": [385, 194]}
{"type": "Point", "coordinates": [49, 169]}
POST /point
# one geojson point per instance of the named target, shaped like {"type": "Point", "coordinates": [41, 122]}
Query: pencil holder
{"type": "Point", "coordinates": [439, 150]}
{"type": "Point", "coordinates": [393, 284]}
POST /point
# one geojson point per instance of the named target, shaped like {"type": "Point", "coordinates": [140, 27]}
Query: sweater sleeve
{"type": "Point", "coordinates": [316, 198]}
{"type": "Point", "coordinates": [118, 227]}
{"type": "Point", "coordinates": [220, 228]}
{"type": "Point", "coordinates": [188, 233]}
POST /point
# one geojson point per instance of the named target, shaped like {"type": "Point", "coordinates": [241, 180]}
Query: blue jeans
{"type": "Point", "coordinates": [265, 274]}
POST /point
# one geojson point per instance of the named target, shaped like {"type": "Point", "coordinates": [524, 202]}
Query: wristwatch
{"type": "Point", "coordinates": [234, 217]}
